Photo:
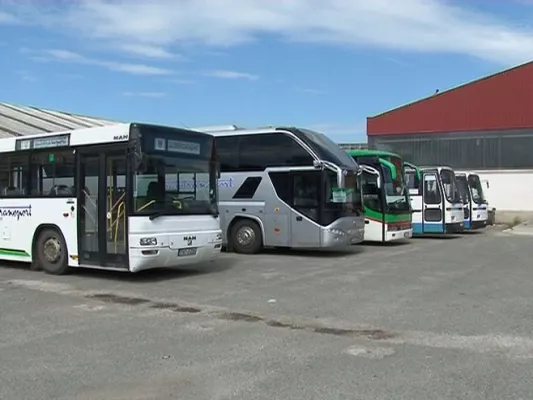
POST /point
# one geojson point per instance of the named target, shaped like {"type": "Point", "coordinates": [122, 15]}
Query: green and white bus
{"type": "Point", "coordinates": [388, 215]}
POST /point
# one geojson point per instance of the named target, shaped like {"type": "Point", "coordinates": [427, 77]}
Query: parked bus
{"type": "Point", "coordinates": [109, 198]}
{"type": "Point", "coordinates": [388, 215]}
{"type": "Point", "coordinates": [435, 200]}
{"type": "Point", "coordinates": [475, 206]}
{"type": "Point", "coordinates": [286, 187]}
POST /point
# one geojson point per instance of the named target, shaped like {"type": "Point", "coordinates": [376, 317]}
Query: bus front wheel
{"type": "Point", "coordinates": [246, 237]}
{"type": "Point", "coordinates": [52, 252]}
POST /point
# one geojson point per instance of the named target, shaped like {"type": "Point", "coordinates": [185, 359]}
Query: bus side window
{"type": "Point", "coordinates": [432, 193]}
{"type": "Point", "coordinates": [14, 176]}
{"type": "Point", "coordinates": [52, 174]}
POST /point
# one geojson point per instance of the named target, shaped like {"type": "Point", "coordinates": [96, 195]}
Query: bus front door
{"type": "Point", "coordinates": [432, 204]}
{"type": "Point", "coordinates": [305, 193]}
{"type": "Point", "coordinates": [102, 229]}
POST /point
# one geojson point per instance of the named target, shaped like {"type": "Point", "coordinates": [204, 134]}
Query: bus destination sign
{"type": "Point", "coordinates": [43, 142]}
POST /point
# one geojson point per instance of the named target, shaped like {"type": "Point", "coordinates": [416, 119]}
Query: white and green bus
{"type": "Point", "coordinates": [110, 198]}
{"type": "Point", "coordinates": [388, 215]}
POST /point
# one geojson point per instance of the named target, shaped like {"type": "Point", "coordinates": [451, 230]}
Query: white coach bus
{"type": "Point", "coordinates": [109, 198]}
{"type": "Point", "coordinates": [286, 187]}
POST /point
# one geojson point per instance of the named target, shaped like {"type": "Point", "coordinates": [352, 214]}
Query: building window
{"type": "Point", "coordinates": [483, 150]}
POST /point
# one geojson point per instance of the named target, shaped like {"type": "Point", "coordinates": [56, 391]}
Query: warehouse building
{"type": "Point", "coordinates": [485, 125]}
{"type": "Point", "coordinates": [20, 121]}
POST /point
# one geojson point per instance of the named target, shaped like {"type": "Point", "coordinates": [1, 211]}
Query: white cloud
{"type": "Point", "coordinates": [223, 74]}
{"type": "Point", "coordinates": [6, 18]}
{"type": "Point", "coordinates": [152, 95]}
{"type": "Point", "coordinates": [72, 57]}
{"type": "Point", "coordinates": [147, 51]}
{"type": "Point", "coordinates": [410, 25]}
{"type": "Point", "coordinates": [181, 81]}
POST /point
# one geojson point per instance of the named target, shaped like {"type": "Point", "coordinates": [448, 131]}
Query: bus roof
{"type": "Point", "coordinates": [370, 153]}
{"type": "Point", "coordinates": [437, 167]}
{"type": "Point", "coordinates": [115, 133]}
{"type": "Point", "coordinates": [233, 130]}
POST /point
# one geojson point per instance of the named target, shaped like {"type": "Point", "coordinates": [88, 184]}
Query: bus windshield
{"type": "Point", "coordinates": [346, 202]}
{"type": "Point", "coordinates": [395, 191]}
{"type": "Point", "coordinates": [325, 148]}
{"type": "Point", "coordinates": [477, 190]}
{"type": "Point", "coordinates": [463, 188]}
{"type": "Point", "coordinates": [449, 184]}
{"type": "Point", "coordinates": [175, 175]}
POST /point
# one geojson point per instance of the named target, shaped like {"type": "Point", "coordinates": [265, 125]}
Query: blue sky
{"type": "Point", "coordinates": [323, 64]}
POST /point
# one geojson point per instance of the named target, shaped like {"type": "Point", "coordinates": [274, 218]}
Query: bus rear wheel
{"type": "Point", "coordinates": [51, 252]}
{"type": "Point", "coordinates": [246, 237]}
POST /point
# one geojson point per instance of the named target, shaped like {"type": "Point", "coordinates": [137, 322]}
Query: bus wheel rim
{"type": "Point", "coordinates": [52, 250]}
{"type": "Point", "coordinates": [245, 236]}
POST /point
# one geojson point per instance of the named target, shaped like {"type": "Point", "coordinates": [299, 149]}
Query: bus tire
{"type": "Point", "coordinates": [51, 252]}
{"type": "Point", "coordinates": [246, 237]}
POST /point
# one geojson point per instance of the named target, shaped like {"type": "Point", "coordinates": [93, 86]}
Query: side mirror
{"type": "Point", "coordinates": [378, 182]}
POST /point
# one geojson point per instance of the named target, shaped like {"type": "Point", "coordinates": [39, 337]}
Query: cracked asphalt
{"type": "Point", "coordinates": [429, 319]}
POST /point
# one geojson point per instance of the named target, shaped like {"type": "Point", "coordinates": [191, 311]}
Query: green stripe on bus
{"type": "Point", "coordinates": [11, 252]}
{"type": "Point", "coordinates": [378, 217]}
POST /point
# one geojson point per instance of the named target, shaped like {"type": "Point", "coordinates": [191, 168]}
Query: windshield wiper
{"type": "Point", "coordinates": [398, 201]}
{"type": "Point", "coordinates": [156, 214]}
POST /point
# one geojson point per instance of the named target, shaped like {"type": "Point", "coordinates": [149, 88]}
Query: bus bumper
{"type": "Point", "coordinates": [478, 224]}
{"type": "Point", "coordinates": [148, 257]}
{"type": "Point", "coordinates": [455, 227]}
{"type": "Point", "coordinates": [391, 236]}
{"type": "Point", "coordinates": [335, 237]}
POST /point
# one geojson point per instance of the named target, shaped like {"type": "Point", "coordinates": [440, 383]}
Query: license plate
{"type": "Point", "coordinates": [191, 251]}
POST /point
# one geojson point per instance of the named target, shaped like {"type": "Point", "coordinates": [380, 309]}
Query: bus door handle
{"type": "Point", "coordinates": [298, 218]}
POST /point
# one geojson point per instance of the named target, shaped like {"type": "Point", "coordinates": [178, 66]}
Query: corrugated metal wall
{"type": "Point", "coordinates": [502, 101]}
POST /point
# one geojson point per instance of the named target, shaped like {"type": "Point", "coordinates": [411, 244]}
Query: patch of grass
{"type": "Point", "coordinates": [516, 221]}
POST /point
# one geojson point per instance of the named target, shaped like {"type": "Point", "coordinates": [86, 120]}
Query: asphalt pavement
{"type": "Point", "coordinates": [429, 319]}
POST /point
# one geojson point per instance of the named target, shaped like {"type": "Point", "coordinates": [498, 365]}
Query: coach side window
{"type": "Point", "coordinates": [14, 174]}
{"type": "Point", "coordinates": [258, 152]}
{"type": "Point", "coordinates": [228, 153]}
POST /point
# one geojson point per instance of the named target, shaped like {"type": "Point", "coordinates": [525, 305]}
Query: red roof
{"type": "Point", "coordinates": [500, 101]}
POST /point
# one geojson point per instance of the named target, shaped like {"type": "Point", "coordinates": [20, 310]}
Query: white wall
{"type": "Point", "coordinates": [510, 192]}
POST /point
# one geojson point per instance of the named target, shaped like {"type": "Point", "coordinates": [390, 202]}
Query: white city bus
{"type": "Point", "coordinates": [286, 187]}
{"type": "Point", "coordinates": [475, 205]}
{"type": "Point", "coordinates": [109, 197]}
{"type": "Point", "coordinates": [435, 200]}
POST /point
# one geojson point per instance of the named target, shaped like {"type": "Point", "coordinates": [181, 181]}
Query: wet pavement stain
{"type": "Point", "coordinates": [175, 307]}
{"type": "Point", "coordinates": [112, 298]}
{"type": "Point", "coordinates": [372, 334]}
{"type": "Point", "coordinates": [235, 316]}
{"type": "Point", "coordinates": [277, 324]}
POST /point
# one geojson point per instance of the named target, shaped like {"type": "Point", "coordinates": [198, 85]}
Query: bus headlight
{"type": "Point", "coordinates": [337, 232]}
{"type": "Point", "coordinates": [148, 241]}
{"type": "Point", "coordinates": [218, 237]}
